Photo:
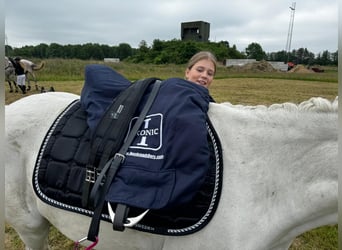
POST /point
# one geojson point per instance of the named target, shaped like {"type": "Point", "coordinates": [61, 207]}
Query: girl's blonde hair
{"type": "Point", "coordinates": [200, 56]}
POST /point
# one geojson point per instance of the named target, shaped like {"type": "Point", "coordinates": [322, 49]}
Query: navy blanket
{"type": "Point", "coordinates": [169, 158]}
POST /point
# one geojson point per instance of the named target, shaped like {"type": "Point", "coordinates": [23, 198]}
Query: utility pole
{"type": "Point", "coordinates": [6, 43]}
{"type": "Point", "coordinates": [289, 33]}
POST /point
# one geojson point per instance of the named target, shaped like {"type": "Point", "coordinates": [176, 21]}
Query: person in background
{"type": "Point", "coordinates": [201, 68]}
{"type": "Point", "coordinates": [20, 72]}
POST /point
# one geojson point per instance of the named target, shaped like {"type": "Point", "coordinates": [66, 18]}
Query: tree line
{"type": "Point", "coordinates": [165, 52]}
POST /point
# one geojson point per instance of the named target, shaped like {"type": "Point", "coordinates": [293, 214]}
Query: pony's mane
{"type": "Point", "coordinates": [314, 104]}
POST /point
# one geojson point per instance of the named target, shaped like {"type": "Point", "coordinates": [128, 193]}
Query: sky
{"type": "Point", "coordinates": [111, 22]}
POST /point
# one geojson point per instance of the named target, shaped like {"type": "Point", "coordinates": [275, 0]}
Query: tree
{"type": "Point", "coordinates": [254, 51]}
{"type": "Point", "coordinates": [157, 45]}
{"type": "Point", "coordinates": [186, 50]}
{"type": "Point", "coordinates": [335, 57]}
{"type": "Point", "coordinates": [172, 51]}
{"type": "Point", "coordinates": [124, 50]}
{"type": "Point", "coordinates": [55, 50]}
{"type": "Point", "coordinates": [233, 53]}
{"type": "Point", "coordinates": [141, 53]}
{"type": "Point", "coordinates": [40, 51]}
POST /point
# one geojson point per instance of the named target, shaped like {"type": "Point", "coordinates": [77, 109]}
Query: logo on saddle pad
{"type": "Point", "coordinates": [149, 135]}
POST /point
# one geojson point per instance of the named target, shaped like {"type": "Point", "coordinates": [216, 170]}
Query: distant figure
{"type": "Point", "coordinates": [20, 72]}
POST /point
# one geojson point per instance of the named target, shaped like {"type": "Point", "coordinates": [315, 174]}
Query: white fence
{"type": "Point", "coordinates": [238, 62]}
{"type": "Point", "coordinates": [111, 60]}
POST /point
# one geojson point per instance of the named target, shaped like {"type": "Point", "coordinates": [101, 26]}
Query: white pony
{"type": "Point", "coordinates": [10, 75]}
{"type": "Point", "coordinates": [280, 178]}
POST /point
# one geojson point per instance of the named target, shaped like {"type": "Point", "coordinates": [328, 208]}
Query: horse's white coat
{"type": "Point", "coordinates": [280, 179]}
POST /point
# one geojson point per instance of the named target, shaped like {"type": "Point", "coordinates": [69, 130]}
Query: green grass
{"type": "Point", "coordinates": [73, 70]}
{"type": "Point", "coordinates": [250, 88]}
{"type": "Point", "coordinates": [323, 238]}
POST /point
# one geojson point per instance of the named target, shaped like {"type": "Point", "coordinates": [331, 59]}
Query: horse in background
{"type": "Point", "coordinates": [29, 68]}
{"type": "Point", "coordinates": [10, 75]}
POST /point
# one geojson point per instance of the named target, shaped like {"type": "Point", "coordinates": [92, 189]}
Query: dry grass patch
{"type": "Point", "coordinates": [252, 91]}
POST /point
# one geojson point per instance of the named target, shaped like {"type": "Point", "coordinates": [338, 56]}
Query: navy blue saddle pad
{"type": "Point", "coordinates": [59, 174]}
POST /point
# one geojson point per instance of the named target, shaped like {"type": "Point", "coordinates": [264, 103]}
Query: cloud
{"type": "Point", "coordinates": [112, 22]}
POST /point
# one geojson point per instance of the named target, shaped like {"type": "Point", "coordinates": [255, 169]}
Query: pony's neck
{"type": "Point", "coordinates": [280, 167]}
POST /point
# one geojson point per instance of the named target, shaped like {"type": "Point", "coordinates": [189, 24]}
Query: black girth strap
{"type": "Point", "coordinates": [108, 172]}
{"type": "Point", "coordinates": [111, 131]}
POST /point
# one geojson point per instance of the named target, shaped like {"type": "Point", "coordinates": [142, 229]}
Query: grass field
{"type": "Point", "coordinates": [250, 88]}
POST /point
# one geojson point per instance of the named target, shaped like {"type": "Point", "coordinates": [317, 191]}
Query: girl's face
{"type": "Point", "coordinates": [202, 73]}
